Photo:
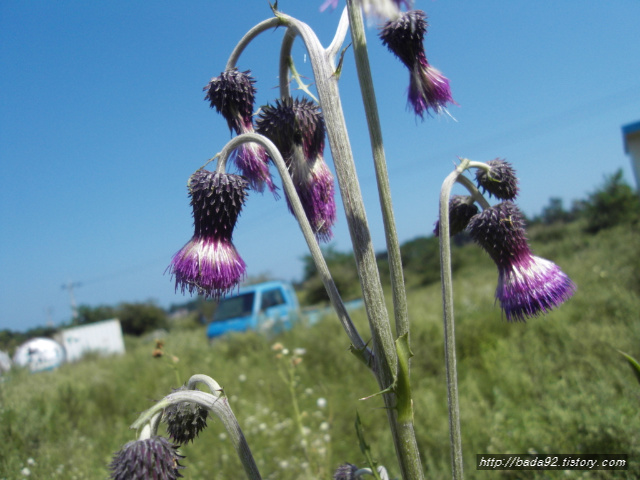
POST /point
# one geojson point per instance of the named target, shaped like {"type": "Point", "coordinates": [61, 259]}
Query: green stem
{"type": "Point", "coordinates": [361, 349]}
{"type": "Point", "coordinates": [359, 41]}
{"type": "Point", "coordinates": [218, 405]}
{"type": "Point", "coordinates": [455, 435]}
{"type": "Point", "coordinates": [323, 64]}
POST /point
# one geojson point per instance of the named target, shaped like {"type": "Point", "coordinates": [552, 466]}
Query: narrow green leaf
{"type": "Point", "coordinates": [635, 366]}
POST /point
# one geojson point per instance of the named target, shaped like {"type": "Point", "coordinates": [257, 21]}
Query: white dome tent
{"type": "Point", "coordinates": [39, 354]}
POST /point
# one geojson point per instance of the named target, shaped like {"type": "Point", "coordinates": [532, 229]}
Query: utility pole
{"type": "Point", "coordinates": [74, 307]}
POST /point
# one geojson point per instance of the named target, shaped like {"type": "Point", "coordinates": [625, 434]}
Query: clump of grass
{"type": "Point", "coordinates": [555, 384]}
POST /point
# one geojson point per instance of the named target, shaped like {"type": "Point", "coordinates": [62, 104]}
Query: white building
{"type": "Point", "coordinates": [631, 137]}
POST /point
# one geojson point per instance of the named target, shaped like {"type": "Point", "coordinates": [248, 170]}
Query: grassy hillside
{"type": "Point", "coordinates": [553, 385]}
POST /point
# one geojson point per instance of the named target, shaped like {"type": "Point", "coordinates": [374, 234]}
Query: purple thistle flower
{"type": "Point", "coordinates": [209, 264]}
{"type": "Point", "coordinates": [377, 8]}
{"type": "Point", "coordinates": [428, 89]}
{"type": "Point", "coordinates": [232, 94]}
{"type": "Point", "coordinates": [154, 457]}
{"type": "Point", "coordinates": [527, 285]}
{"type": "Point", "coordinates": [461, 209]}
{"type": "Point", "coordinates": [296, 127]}
{"type": "Point", "coordinates": [500, 181]}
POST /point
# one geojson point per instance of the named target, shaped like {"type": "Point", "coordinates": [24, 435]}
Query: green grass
{"type": "Point", "coordinates": [553, 385]}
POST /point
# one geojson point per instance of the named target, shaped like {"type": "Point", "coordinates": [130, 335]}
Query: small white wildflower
{"type": "Point", "coordinates": [321, 402]}
{"type": "Point", "coordinates": [262, 426]}
{"type": "Point", "coordinates": [222, 437]}
{"type": "Point", "coordinates": [299, 351]}
{"type": "Point", "coordinates": [306, 431]}
{"type": "Point", "coordinates": [284, 464]}
{"type": "Point", "coordinates": [327, 438]}
{"type": "Point", "coordinates": [25, 472]}
{"type": "Point", "coordinates": [324, 426]}
{"type": "Point", "coordinates": [285, 351]}
{"type": "Point", "coordinates": [31, 461]}
{"type": "Point", "coordinates": [242, 377]}
{"type": "Point", "coordinates": [308, 391]}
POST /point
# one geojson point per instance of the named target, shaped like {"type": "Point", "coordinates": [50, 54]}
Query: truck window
{"type": "Point", "coordinates": [271, 298]}
{"type": "Point", "coordinates": [235, 307]}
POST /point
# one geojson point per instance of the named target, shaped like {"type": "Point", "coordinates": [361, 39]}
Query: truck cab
{"type": "Point", "coordinates": [269, 307]}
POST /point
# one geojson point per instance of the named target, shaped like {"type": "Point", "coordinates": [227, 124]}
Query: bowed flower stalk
{"type": "Point", "coordinates": [209, 264]}
{"type": "Point", "coordinates": [527, 285]}
{"type": "Point", "coordinates": [232, 94]}
{"type": "Point", "coordinates": [296, 127]}
{"type": "Point", "coordinates": [429, 89]}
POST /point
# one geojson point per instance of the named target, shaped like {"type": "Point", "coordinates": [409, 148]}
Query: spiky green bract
{"type": "Point", "coordinates": [153, 458]}
{"type": "Point", "coordinates": [461, 209]}
{"type": "Point", "coordinates": [500, 181]}
{"type": "Point", "coordinates": [297, 129]}
{"type": "Point", "coordinates": [209, 264]}
{"type": "Point", "coordinates": [527, 285]}
{"type": "Point", "coordinates": [184, 420]}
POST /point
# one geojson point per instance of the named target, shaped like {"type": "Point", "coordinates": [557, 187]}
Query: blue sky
{"type": "Point", "coordinates": [102, 120]}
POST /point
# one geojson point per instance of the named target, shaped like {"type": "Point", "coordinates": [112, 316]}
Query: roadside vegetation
{"type": "Point", "coordinates": [556, 384]}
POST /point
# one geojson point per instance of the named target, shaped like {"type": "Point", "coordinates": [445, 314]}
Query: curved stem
{"type": "Point", "coordinates": [214, 386]}
{"type": "Point", "coordinates": [475, 193]}
{"type": "Point", "coordinates": [449, 323]}
{"type": "Point", "coordinates": [250, 35]}
{"type": "Point", "coordinates": [219, 406]}
{"type": "Point", "coordinates": [312, 242]}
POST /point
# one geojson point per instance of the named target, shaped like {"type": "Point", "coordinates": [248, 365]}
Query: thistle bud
{"type": "Point", "coordinates": [500, 181]}
{"type": "Point", "coordinates": [461, 209]}
{"type": "Point", "coordinates": [153, 457]}
{"type": "Point", "coordinates": [185, 420]}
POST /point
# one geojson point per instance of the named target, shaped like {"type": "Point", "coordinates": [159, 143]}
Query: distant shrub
{"type": "Point", "coordinates": [613, 203]}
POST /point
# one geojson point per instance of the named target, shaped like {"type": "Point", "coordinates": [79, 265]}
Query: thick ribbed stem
{"type": "Point", "coordinates": [386, 364]}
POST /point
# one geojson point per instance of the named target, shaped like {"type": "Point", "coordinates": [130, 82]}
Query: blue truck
{"type": "Point", "coordinates": [266, 307]}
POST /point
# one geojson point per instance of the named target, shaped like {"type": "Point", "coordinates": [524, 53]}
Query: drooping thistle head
{"type": "Point", "coordinates": [527, 285]}
{"type": "Point", "coordinates": [500, 181]}
{"type": "Point", "coordinates": [154, 457]}
{"type": "Point", "coordinates": [384, 9]}
{"type": "Point", "coordinates": [296, 127]}
{"type": "Point", "coordinates": [461, 209]}
{"type": "Point", "coordinates": [429, 90]}
{"type": "Point", "coordinates": [209, 264]}
{"type": "Point", "coordinates": [232, 94]}
{"type": "Point", "coordinates": [185, 420]}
